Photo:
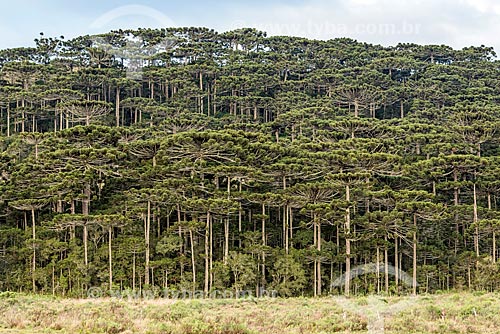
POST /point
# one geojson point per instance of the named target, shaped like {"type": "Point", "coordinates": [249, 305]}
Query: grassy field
{"type": "Point", "coordinates": [444, 313]}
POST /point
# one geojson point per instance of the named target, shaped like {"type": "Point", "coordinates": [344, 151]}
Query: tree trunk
{"type": "Point", "coordinates": [201, 91]}
{"type": "Point", "coordinates": [207, 264]}
{"type": "Point", "coordinates": [240, 220]}
{"type": "Point", "coordinates": [117, 108]}
{"type": "Point", "coordinates": [286, 218]}
{"type": "Point", "coordinates": [414, 255]}
{"type": "Point", "coordinates": [347, 287]}
{"type": "Point", "coordinates": [494, 251]}
{"type": "Point", "coordinates": [211, 255]}
{"type": "Point", "coordinates": [86, 211]}
{"type": "Point", "coordinates": [494, 241]}
{"type": "Point", "coordinates": [476, 221]}
{"type": "Point", "coordinates": [133, 272]}
{"type": "Point", "coordinates": [33, 268]}
{"type": "Point", "coordinates": [8, 120]}
{"type": "Point", "coordinates": [263, 244]}
{"type": "Point", "coordinates": [110, 236]}
{"type": "Point", "coordinates": [54, 280]}
{"type": "Point", "coordinates": [386, 269]}
{"type": "Point", "coordinates": [226, 239]}
{"type": "Point", "coordinates": [455, 203]}
{"type": "Point", "coordinates": [193, 261]}
{"type": "Point", "coordinates": [378, 270]}
{"type": "Point", "coordinates": [72, 229]}
{"type": "Point", "coordinates": [318, 263]}
{"type": "Point", "coordinates": [315, 267]}
{"type": "Point", "coordinates": [290, 223]}
{"type": "Point", "coordinates": [396, 262]}
{"type": "Point", "coordinates": [23, 115]}
{"type": "Point", "coordinates": [147, 229]}
{"type": "Point", "coordinates": [85, 243]}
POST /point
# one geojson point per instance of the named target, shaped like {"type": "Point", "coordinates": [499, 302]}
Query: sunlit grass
{"type": "Point", "coordinates": [446, 313]}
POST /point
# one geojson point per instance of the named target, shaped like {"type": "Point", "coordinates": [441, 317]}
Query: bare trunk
{"type": "Point", "coordinates": [315, 267]}
{"type": "Point", "coordinates": [494, 241]}
{"type": "Point", "coordinates": [34, 249]}
{"type": "Point", "coordinates": [133, 272]}
{"type": "Point", "coordinates": [8, 120]}
{"type": "Point", "coordinates": [211, 255]}
{"type": "Point", "coordinates": [86, 211]}
{"type": "Point", "coordinates": [318, 263]}
{"type": "Point", "coordinates": [110, 236]}
{"type": "Point", "coordinates": [23, 115]}
{"type": "Point", "coordinates": [193, 263]}
{"type": "Point", "coordinates": [263, 244]}
{"type": "Point", "coordinates": [290, 223]}
{"type": "Point", "coordinates": [207, 264]}
{"type": "Point", "coordinates": [286, 218]}
{"type": "Point", "coordinates": [414, 255]}
{"type": "Point", "coordinates": [386, 263]}
{"type": "Point", "coordinates": [201, 91]}
{"type": "Point", "coordinates": [117, 110]}
{"type": "Point", "coordinates": [455, 203]}
{"type": "Point", "coordinates": [476, 221]}
{"type": "Point", "coordinates": [226, 239]}
{"type": "Point", "coordinates": [378, 269]}
{"type": "Point", "coordinates": [347, 286]}
{"type": "Point", "coordinates": [240, 218]}
{"type": "Point", "coordinates": [494, 251]}
{"type": "Point", "coordinates": [147, 229]}
{"type": "Point", "coordinates": [396, 262]}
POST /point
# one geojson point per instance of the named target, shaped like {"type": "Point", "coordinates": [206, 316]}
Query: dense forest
{"type": "Point", "coordinates": [239, 161]}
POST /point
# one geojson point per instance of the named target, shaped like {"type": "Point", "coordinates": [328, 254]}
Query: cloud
{"type": "Point", "coordinates": [484, 6]}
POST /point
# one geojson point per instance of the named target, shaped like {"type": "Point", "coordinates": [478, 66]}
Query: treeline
{"type": "Point", "coordinates": [244, 162]}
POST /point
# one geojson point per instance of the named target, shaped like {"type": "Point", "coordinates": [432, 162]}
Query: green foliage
{"type": "Point", "coordinates": [242, 268]}
{"type": "Point", "coordinates": [239, 161]}
{"type": "Point", "coordinates": [288, 276]}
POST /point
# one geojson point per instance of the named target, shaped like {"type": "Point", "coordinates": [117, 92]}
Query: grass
{"type": "Point", "coordinates": [443, 313]}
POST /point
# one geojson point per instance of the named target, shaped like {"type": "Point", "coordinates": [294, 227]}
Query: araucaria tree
{"type": "Point", "coordinates": [248, 163]}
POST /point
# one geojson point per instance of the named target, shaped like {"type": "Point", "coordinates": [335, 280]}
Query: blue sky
{"type": "Point", "coordinates": [457, 23]}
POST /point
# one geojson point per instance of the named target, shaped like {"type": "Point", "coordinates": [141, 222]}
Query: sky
{"type": "Point", "coordinates": [458, 23]}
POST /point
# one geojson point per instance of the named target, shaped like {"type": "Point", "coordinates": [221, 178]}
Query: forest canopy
{"type": "Point", "coordinates": [188, 159]}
